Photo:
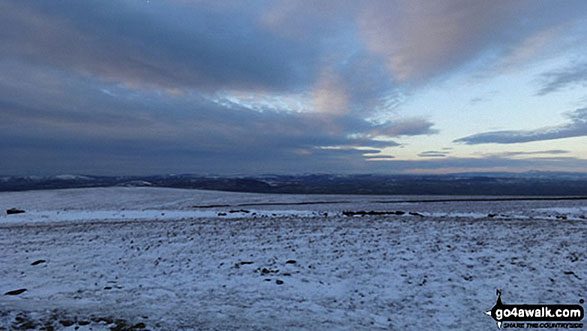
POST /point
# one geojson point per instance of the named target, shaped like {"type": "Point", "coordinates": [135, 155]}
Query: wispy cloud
{"type": "Point", "coordinates": [405, 127]}
{"type": "Point", "coordinates": [433, 154]}
{"type": "Point", "coordinates": [576, 127]}
{"type": "Point", "coordinates": [519, 153]}
{"type": "Point", "coordinates": [572, 76]}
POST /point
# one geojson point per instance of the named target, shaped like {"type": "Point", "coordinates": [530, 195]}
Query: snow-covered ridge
{"type": "Point", "coordinates": [147, 214]}
{"type": "Point", "coordinates": [127, 203]}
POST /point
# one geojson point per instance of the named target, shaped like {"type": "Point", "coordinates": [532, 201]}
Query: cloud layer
{"type": "Point", "coordinates": [248, 86]}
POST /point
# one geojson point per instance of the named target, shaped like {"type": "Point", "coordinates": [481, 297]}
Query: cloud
{"type": "Point", "coordinates": [533, 45]}
{"type": "Point", "coordinates": [433, 154]}
{"type": "Point", "coordinates": [237, 86]}
{"type": "Point", "coordinates": [518, 153]}
{"type": "Point", "coordinates": [330, 95]}
{"type": "Point", "coordinates": [300, 19]}
{"type": "Point", "coordinates": [557, 80]}
{"type": "Point", "coordinates": [63, 124]}
{"type": "Point", "coordinates": [405, 127]}
{"type": "Point", "coordinates": [274, 46]}
{"type": "Point", "coordinates": [420, 39]}
{"type": "Point", "coordinates": [577, 127]}
{"type": "Point", "coordinates": [178, 48]}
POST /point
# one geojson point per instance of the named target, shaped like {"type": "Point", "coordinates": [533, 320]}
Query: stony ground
{"type": "Point", "coordinates": [284, 272]}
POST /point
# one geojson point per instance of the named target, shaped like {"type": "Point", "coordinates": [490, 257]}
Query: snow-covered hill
{"type": "Point", "coordinates": [168, 259]}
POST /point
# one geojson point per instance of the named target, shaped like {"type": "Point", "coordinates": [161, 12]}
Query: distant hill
{"type": "Point", "coordinates": [529, 183]}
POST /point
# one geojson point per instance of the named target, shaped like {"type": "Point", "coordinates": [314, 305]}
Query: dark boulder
{"type": "Point", "coordinates": [15, 292]}
{"type": "Point", "coordinates": [12, 211]}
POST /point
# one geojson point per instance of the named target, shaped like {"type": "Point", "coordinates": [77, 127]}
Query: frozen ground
{"type": "Point", "coordinates": [186, 259]}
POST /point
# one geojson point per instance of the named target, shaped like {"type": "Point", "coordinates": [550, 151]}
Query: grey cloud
{"type": "Point", "coordinates": [127, 85]}
{"type": "Point", "coordinates": [433, 154]}
{"type": "Point", "coordinates": [87, 129]}
{"type": "Point", "coordinates": [249, 44]}
{"type": "Point", "coordinates": [176, 49]}
{"type": "Point", "coordinates": [555, 81]}
{"type": "Point", "coordinates": [552, 151]}
{"type": "Point", "coordinates": [421, 39]}
{"type": "Point", "coordinates": [577, 127]}
{"type": "Point", "coordinates": [406, 127]}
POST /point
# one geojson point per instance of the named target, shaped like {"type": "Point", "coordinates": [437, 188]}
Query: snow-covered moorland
{"type": "Point", "coordinates": [170, 259]}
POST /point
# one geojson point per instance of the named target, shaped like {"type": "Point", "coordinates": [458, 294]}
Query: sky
{"type": "Point", "coordinates": [136, 87]}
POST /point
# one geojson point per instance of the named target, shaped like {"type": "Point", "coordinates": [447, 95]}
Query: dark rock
{"type": "Point", "coordinates": [83, 322]}
{"type": "Point", "coordinates": [66, 322]}
{"type": "Point", "coordinates": [15, 292]}
{"type": "Point", "coordinates": [221, 214]}
{"type": "Point", "coordinates": [353, 213]}
{"type": "Point", "coordinates": [278, 281]}
{"type": "Point", "coordinates": [372, 212]}
{"type": "Point", "coordinates": [290, 261]}
{"type": "Point", "coordinates": [107, 287]}
{"type": "Point", "coordinates": [232, 211]}
{"type": "Point", "coordinates": [247, 262]}
{"type": "Point", "coordinates": [265, 271]}
{"type": "Point", "coordinates": [38, 262]}
{"type": "Point", "coordinates": [106, 320]}
{"type": "Point", "coordinates": [140, 325]}
{"type": "Point", "coordinates": [573, 274]}
{"type": "Point", "coordinates": [14, 211]}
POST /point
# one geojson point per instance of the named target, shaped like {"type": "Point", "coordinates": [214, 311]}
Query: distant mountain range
{"type": "Point", "coordinates": [529, 184]}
